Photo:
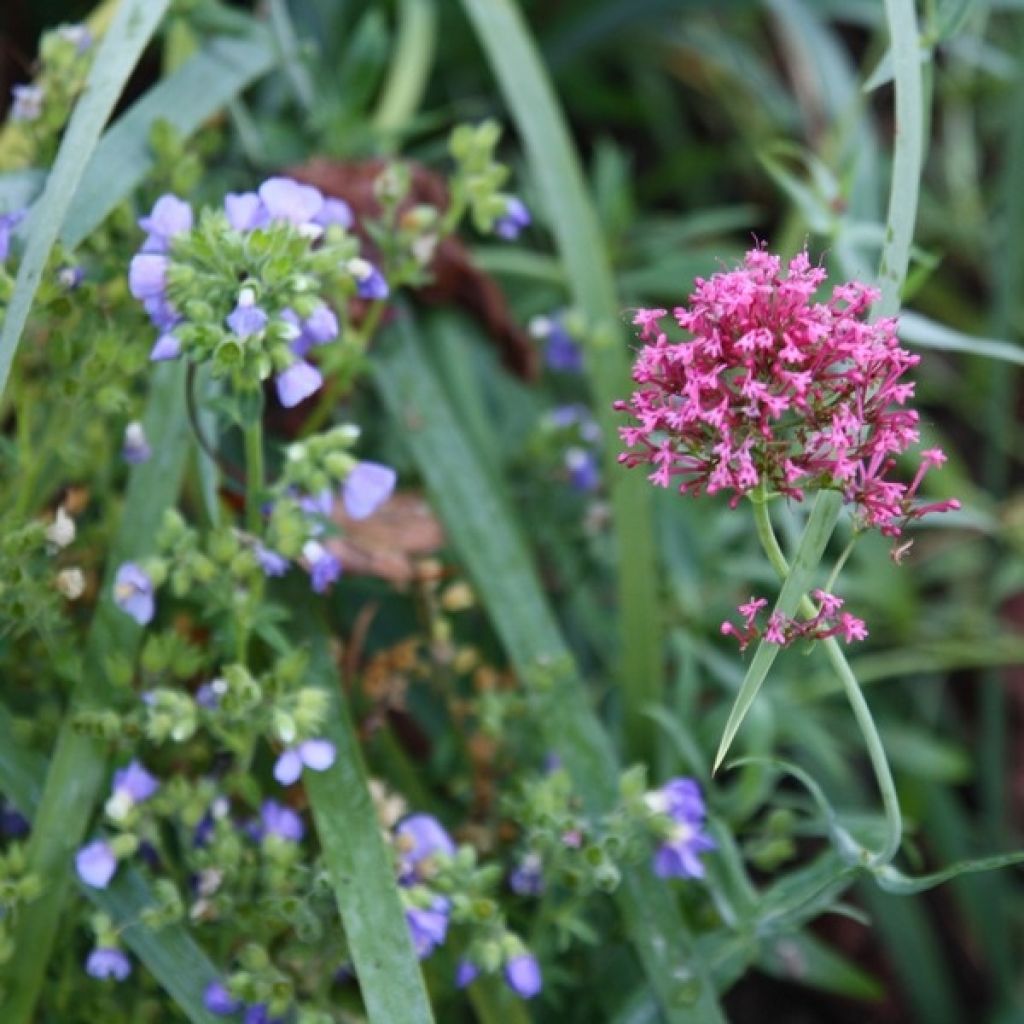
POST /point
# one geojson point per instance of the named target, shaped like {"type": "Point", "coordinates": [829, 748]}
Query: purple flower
{"type": "Point", "coordinates": [428, 927]}
{"type": "Point", "coordinates": [134, 783]}
{"type": "Point", "coordinates": [582, 467]}
{"type": "Point", "coordinates": [78, 36]}
{"type": "Point", "coordinates": [678, 856]}
{"type": "Point", "coordinates": [147, 275]}
{"type": "Point", "coordinates": [281, 821]}
{"type": "Point", "coordinates": [135, 446]}
{"type": "Point", "coordinates": [289, 201]}
{"type": "Point", "coordinates": [321, 325]}
{"type": "Point", "coordinates": [256, 1013]}
{"type": "Point", "coordinates": [366, 488]}
{"type": "Point", "coordinates": [522, 975]}
{"type": "Point", "coordinates": [466, 973]}
{"type": "Point", "coordinates": [245, 211]}
{"type": "Point", "coordinates": [562, 352]}
{"type": "Point", "coordinates": [370, 283]}
{"type": "Point", "coordinates": [270, 561]}
{"type": "Point", "coordinates": [170, 216]}
{"type": "Point", "coordinates": [133, 593]}
{"type": "Point", "coordinates": [297, 383]}
{"type": "Point", "coordinates": [167, 346]}
{"type": "Point", "coordinates": [8, 222]}
{"type": "Point", "coordinates": [515, 218]}
{"type": "Point", "coordinates": [324, 568]}
{"type": "Point", "coordinates": [317, 755]}
{"type": "Point", "coordinates": [247, 318]}
{"type": "Point", "coordinates": [334, 211]}
{"type": "Point", "coordinates": [527, 878]}
{"type": "Point", "coordinates": [13, 823]}
{"type": "Point", "coordinates": [318, 506]}
{"type": "Point", "coordinates": [217, 999]}
{"type": "Point", "coordinates": [96, 864]}
{"type": "Point", "coordinates": [108, 963]}
{"type": "Point", "coordinates": [27, 102]}
{"type": "Point", "coordinates": [419, 838]}
{"type": "Point", "coordinates": [70, 277]}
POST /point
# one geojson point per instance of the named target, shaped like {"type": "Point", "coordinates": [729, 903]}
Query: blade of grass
{"type": "Point", "coordinates": [116, 56]}
{"type": "Point", "coordinates": [908, 152]}
{"type": "Point", "coordinates": [491, 546]}
{"type": "Point", "coordinates": [556, 169]}
{"type": "Point", "coordinates": [413, 57]}
{"type": "Point", "coordinates": [360, 865]}
{"type": "Point", "coordinates": [170, 954]}
{"type": "Point", "coordinates": [290, 54]}
{"type": "Point", "coordinates": [79, 763]}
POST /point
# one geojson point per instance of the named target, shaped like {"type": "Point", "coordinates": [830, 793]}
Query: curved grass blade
{"type": "Point", "coordinates": [816, 535]}
{"type": "Point", "coordinates": [410, 66]}
{"type": "Point", "coordinates": [492, 547]}
{"type": "Point", "coordinates": [920, 331]}
{"type": "Point", "coordinates": [116, 56]}
{"type": "Point", "coordinates": [892, 880]}
{"type": "Point", "coordinates": [171, 954]}
{"type": "Point", "coordinates": [556, 169]}
{"type": "Point", "coordinates": [359, 863]}
{"type": "Point", "coordinates": [79, 763]}
{"type": "Point", "coordinates": [203, 85]}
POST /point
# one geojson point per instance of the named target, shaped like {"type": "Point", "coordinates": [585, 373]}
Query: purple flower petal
{"type": "Point", "coordinates": [466, 973]}
{"type": "Point", "coordinates": [162, 314]}
{"type": "Point", "coordinates": [27, 102]}
{"type": "Point", "coordinates": [245, 211]}
{"type": "Point", "coordinates": [108, 963]}
{"type": "Point", "coordinates": [522, 975]}
{"type": "Point", "coordinates": [135, 782]}
{"type": "Point", "coordinates": [324, 568]}
{"type": "Point", "coordinates": [370, 283]}
{"type": "Point", "coordinates": [317, 755]}
{"type": "Point", "coordinates": [147, 275]}
{"type": "Point", "coordinates": [167, 346]}
{"type": "Point", "coordinates": [428, 927]}
{"type": "Point", "coordinates": [322, 325]}
{"type": "Point", "coordinates": [290, 201]}
{"type": "Point", "coordinates": [288, 767]}
{"type": "Point", "coordinates": [170, 216]}
{"type": "Point", "coordinates": [366, 488]}
{"type": "Point", "coordinates": [96, 864]}
{"type": "Point", "coordinates": [133, 593]}
{"type": "Point", "coordinates": [217, 999]}
{"type": "Point", "coordinates": [271, 562]}
{"type": "Point", "coordinates": [297, 383]}
{"type": "Point", "coordinates": [246, 320]}
{"type": "Point", "coordinates": [421, 836]}
{"type": "Point", "coordinates": [281, 821]}
{"type": "Point", "coordinates": [334, 211]}
{"type": "Point", "coordinates": [135, 446]}
{"type": "Point", "coordinates": [8, 222]}
{"type": "Point", "coordinates": [516, 217]}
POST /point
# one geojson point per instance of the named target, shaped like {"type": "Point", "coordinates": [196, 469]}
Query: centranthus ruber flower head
{"type": "Point", "coordinates": [775, 389]}
{"type": "Point", "coordinates": [830, 620]}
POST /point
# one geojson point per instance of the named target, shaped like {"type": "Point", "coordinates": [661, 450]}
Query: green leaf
{"type": "Point", "coordinates": [411, 61]}
{"type": "Point", "coordinates": [79, 764]}
{"type": "Point", "coordinates": [494, 551]}
{"type": "Point", "coordinates": [892, 880]}
{"type": "Point", "coordinates": [556, 169]}
{"type": "Point", "coordinates": [920, 331]}
{"type": "Point", "coordinates": [171, 954]}
{"type": "Point", "coordinates": [116, 56]}
{"type": "Point", "coordinates": [808, 961]}
{"type": "Point", "coordinates": [360, 865]}
{"type": "Point", "coordinates": [815, 537]}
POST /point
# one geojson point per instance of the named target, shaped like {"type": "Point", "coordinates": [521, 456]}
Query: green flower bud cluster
{"type": "Point", "coordinates": [478, 177]}
{"type": "Point", "coordinates": [320, 462]}
{"type": "Point", "coordinates": [18, 886]}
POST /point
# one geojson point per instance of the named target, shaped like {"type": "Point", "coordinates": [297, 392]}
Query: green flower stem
{"type": "Point", "coordinates": [861, 711]}
{"type": "Point", "coordinates": [253, 475]}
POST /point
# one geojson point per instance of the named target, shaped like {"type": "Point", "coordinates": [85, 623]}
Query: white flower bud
{"type": "Point", "coordinates": [61, 531]}
{"type": "Point", "coordinates": [71, 583]}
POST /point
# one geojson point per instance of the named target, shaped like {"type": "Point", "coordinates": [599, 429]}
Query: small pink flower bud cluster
{"type": "Point", "coordinates": [775, 388]}
{"type": "Point", "coordinates": [782, 630]}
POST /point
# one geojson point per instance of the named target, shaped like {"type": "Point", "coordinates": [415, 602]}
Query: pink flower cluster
{"type": "Point", "coordinates": [775, 388]}
{"type": "Point", "coordinates": [829, 621]}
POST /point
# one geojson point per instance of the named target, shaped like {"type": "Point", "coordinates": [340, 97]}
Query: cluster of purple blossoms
{"type": "Point", "coordinates": [277, 201]}
{"type": "Point", "coordinates": [679, 853]}
{"type": "Point", "coordinates": [829, 621]}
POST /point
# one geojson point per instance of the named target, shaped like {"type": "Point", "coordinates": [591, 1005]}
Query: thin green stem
{"type": "Point", "coordinates": [854, 694]}
{"type": "Point", "coordinates": [253, 475]}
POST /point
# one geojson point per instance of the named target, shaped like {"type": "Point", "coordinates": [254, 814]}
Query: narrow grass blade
{"type": "Point", "coordinates": [816, 535]}
{"type": "Point", "coordinates": [359, 863]}
{"type": "Point", "coordinates": [413, 57]}
{"type": "Point", "coordinates": [204, 84]}
{"type": "Point", "coordinates": [921, 332]}
{"type": "Point", "coordinates": [556, 169]}
{"type": "Point", "coordinates": [492, 548]}
{"type": "Point", "coordinates": [170, 954]}
{"type": "Point", "coordinates": [78, 767]}
{"type": "Point", "coordinates": [892, 880]}
{"type": "Point", "coordinates": [908, 152]}
{"type": "Point", "coordinates": [116, 57]}
{"type": "Point", "coordinates": [291, 56]}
